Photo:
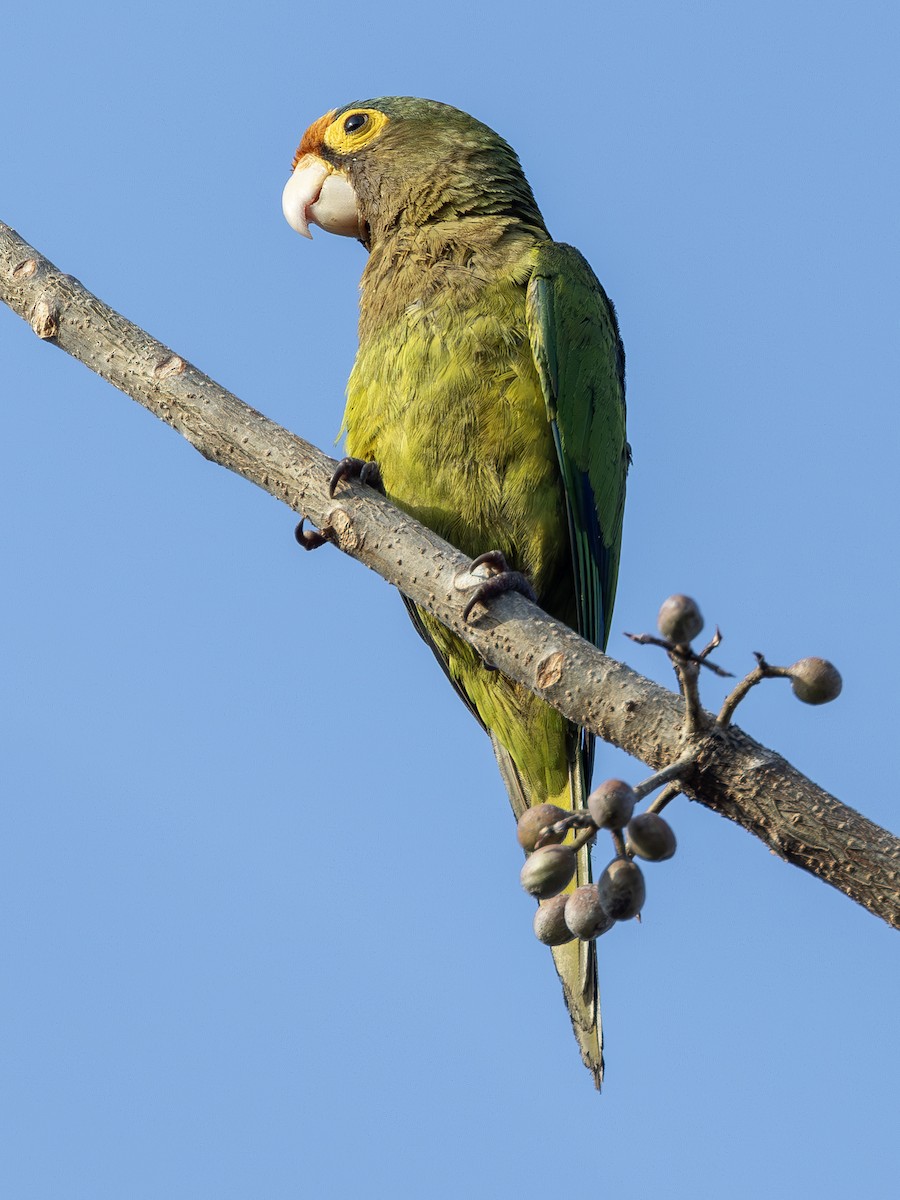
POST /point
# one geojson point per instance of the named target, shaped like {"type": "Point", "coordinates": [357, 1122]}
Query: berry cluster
{"type": "Point", "coordinates": [618, 895]}
{"type": "Point", "coordinates": [590, 910]}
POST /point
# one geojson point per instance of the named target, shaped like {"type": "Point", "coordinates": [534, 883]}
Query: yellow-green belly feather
{"type": "Point", "coordinates": [449, 405]}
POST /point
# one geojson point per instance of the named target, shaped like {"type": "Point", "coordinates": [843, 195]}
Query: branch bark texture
{"type": "Point", "coordinates": [733, 775]}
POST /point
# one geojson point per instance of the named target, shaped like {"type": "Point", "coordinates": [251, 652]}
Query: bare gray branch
{"type": "Point", "coordinates": [732, 774]}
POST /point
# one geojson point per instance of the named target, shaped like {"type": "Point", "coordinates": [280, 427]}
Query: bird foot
{"type": "Point", "coordinates": [367, 473]}
{"type": "Point", "coordinates": [310, 539]}
{"type": "Point", "coordinates": [503, 579]}
{"type": "Point", "coordinates": [348, 468]}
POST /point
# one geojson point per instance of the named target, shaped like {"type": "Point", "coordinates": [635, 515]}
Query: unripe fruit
{"type": "Point", "coordinates": [585, 915]}
{"type": "Point", "coordinates": [679, 619]}
{"type": "Point", "coordinates": [534, 821]}
{"type": "Point", "coordinates": [550, 922]}
{"type": "Point", "coordinates": [548, 870]}
{"type": "Point", "coordinates": [621, 889]}
{"type": "Point", "coordinates": [815, 680]}
{"type": "Point", "coordinates": [650, 837]}
{"type": "Point", "coordinates": [611, 804]}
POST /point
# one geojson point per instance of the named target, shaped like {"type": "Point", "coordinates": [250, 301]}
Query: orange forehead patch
{"type": "Point", "coordinates": [313, 138]}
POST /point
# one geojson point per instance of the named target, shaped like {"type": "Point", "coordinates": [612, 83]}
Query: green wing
{"type": "Point", "coordinates": [581, 363]}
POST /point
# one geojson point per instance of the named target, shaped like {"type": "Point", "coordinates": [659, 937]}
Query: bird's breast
{"type": "Point", "coordinates": [446, 398]}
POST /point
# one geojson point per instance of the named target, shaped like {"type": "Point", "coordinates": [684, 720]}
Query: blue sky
{"type": "Point", "coordinates": [261, 928]}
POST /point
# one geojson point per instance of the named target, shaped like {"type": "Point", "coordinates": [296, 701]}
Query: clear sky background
{"type": "Point", "coordinates": [261, 930]}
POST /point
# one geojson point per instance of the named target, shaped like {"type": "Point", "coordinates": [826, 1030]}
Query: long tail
{"type": "Point", "coordinates": [492, 699]}
{"type": "Point", "coordinates": [576, 962]}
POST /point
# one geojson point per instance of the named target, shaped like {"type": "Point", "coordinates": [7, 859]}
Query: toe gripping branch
{"type": "Point", "coordinates": [503, 579]}
{"type": "Point", "coordinates": [366, 472]}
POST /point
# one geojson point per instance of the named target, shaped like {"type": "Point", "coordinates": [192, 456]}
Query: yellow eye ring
{"type": "Point", "coordinates": [354, 130]}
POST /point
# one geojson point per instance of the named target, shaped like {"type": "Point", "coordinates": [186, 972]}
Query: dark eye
{"type": "Point", "coordinates": [355, 121]}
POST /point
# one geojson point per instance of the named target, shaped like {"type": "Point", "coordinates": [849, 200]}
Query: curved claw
{"type": "Point", "coordinates": [357, 468]}
{"type": "Point", "coordinates": [309, 539]}
{"type": "Point", "coordinates": [504, 580]}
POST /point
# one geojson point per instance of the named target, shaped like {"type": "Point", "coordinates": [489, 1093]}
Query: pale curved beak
{"type": "Point", "coordinates": [316, 194]}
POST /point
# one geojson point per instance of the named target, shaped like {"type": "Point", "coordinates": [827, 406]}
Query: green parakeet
{"type": "Point", "coordinates": [489, 389]}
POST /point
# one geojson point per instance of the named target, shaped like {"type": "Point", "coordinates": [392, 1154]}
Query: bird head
{"type": "Point", "coordinates": [372, 167]}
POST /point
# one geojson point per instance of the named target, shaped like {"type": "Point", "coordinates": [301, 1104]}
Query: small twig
{"type": "Point", "coordinates": [688, 676]}
{"type": "Point", "coordinates": [665, 796]}
{"type": "Point", "coordinates": [761, 671]}
{"type": "Point", "coordinates": [714, 642]}
{"type": "Point", "coordinates": [619, 843]}
{"type": "Point", "coordinates": [667, 775]}
{"type": "Point", "coordinates": [576, 820]}
{"type": "Point", "coordinates": [648, 639]}
{"type": "Point", "coordinates": [586, 836]}
{"type": "Point", "coordinates": [582, 820]}
{"type": "Point", "coordinates": [684, 653]}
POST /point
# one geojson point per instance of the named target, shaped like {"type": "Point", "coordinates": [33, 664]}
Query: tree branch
{"type": "Point", "coordinates": [733, 775]}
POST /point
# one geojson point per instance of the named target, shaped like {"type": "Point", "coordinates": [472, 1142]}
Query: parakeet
{"type": "Point", "coordinates": [489, 389]}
